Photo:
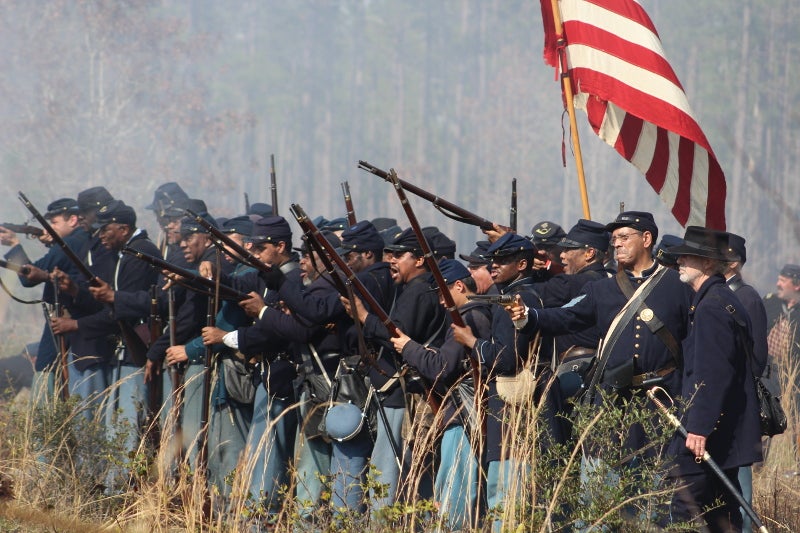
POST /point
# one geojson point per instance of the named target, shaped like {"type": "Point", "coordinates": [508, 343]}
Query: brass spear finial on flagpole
{"type": "Point", "coordinates": [566, 85]}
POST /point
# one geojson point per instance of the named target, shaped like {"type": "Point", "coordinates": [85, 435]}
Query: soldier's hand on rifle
{"type": "Point", "coordinates": [253, 305]}
{"type": "Point", "coordinates": [62, 325]}
{"type": "Point", "coordinates": [206, 269]}
{"type": "Point", "coordinates": [400, 341]}
{"type": "Point", "coordinates": [176, 355]}
{"type": "Point", "coordinates": [36, 274]}
{"type": "Point", "coordinates": [46, 239]}
{"type": "Point", "coordinates": [65, 283]}
{"type": "Point", "coordinates": [518, 312]}
{"type": "Point", "coordinates": [212, 335]}
{"type": "Point", "coordinates": [171, 278]}
{"type": "Point", "coordinates": [496, 232]}
{"type": "Point", "coordinates": [151, 370]}
{"type": "Point", "coordinates": [464, 336]}
{"type": "Point", "coordinates": [102, 292]}
{"type": "Point", "coordinates": [361, 311]}
{"type": "Point", "coordinates": [8, 237]}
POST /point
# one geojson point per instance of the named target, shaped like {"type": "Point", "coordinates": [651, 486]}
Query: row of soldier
{"type": "Point", "coordinates": [291, 339]}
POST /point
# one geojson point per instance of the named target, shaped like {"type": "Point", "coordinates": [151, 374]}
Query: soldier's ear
{"type": "Point", "coordinates": [647, 237]}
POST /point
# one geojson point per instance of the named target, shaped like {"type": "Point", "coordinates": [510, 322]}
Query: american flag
{"type": "Point", "coordinates": [635, 103]}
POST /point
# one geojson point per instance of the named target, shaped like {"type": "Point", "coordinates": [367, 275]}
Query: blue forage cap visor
{"type": "Point", "coordinates": [165, 196]}
{"type": "Point", "coordinates": [737, 250]}
{"type": "Point", "coordinates": [329, 236]}
{"type": "Point", "coordinates": [586, 234]}
{"type": "Point", "coordinates": [241, 225]}
{"type": "Point", "coordinates": [453, 270]}
{"type": "Point", "coordinates": [261, 209]}
{"type": "Point", "coordinates": [390, 234]}
{"type": "Point", "coordinates": [382, 223]}
{"type": "Point", "coordinates": [660, 251]}
{"type": "Point", "coordinates": [546, 234]}
{"type": "Point", "coordinates": [115, 212]}
{"type": "Point", "coordinates": [478, 255]}
{"type": "Point", "coordinates": [93, 198]}
{"type": "Point", "coordinates": [336, 224]}
{"type": "Point", "coordinates": [508, 244]}
{"type": "Point", "coordinates": [638, 220]}
{"type": "Point", "coordinates": [62, 206]}
{"type": "Point", "coordinates": [440, 244]}
{"type": "Point", "coordinates": [189, 225]}
{"type": "Point", "coordinates": [362, 237]}
{"type": "Point", "coordinates": [271, 229]}
{"type": "Point", "coordinates": [791, 271]}
{"type": "Point", "coordinates": [179, 208]}
{"type": "Point", "coordinates": [406, 241]}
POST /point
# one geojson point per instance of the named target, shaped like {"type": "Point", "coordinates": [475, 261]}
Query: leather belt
{"type": "Point", "coordinates": [576, 351]}
{"type": "Point", "coordinates": [651, 378]}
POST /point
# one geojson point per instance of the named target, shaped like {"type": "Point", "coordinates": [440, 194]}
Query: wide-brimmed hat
{"type": "Point", "coordinates": [702, 242]}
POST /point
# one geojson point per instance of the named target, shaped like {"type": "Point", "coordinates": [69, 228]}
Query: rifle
{"type": "Point", "coordinates": [189, 277]}
{"type": "Point", "coordinates": [176, 373]}
{"type": "Point", "coordinates": [211, 313]}
{"type": "Point", "coordinates": [136, 346]}
{"type": "Point", "coordinates": [348, 202]}
{"type": "Point", "coordinates": [512, 223]}
{"type": "Point", "coordinates": [152, 430]}
{"type": "Point", "coordinates": [246, 204]}
{"type": "Point", "coordinates": [448, 209]}
{"type": "Point", "coordinates": [61, 344]}
{"type": "Point", "coordinates": [273, 185]}
{"type": "Point", "coordinates": [220, 240]}
{"type": "Point", "coordinates": [312, 231]}
{"type": "Point", "coordinates": [31, 231]}
{"type": "Point", "coordinates": [449, 303]}
{"type": "Point", "coordinates": [498, 299]}
{"type": "Point", "coordinates": [19, 269]}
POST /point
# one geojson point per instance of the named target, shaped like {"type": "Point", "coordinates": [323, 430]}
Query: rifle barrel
{"type": "Point", "coordinates": [448, 209]}
{"type": "Point", "coordinates": [273, 184]}
{"type": "Point", "coordinates": [225, 291]}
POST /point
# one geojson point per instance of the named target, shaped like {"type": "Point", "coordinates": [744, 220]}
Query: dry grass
{"type": "Point", "coordinates": [52, 460]}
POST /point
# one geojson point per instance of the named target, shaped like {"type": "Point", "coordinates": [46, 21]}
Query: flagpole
{"type": "Point", "coordinates": [566, 86]}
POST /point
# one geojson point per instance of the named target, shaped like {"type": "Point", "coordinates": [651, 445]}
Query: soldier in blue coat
{"type": "Point", "coordinates": [648, 344]}
{"type": "Point", "coordinates": [447, 368]}
{"type": "Point", "coordinates": [721, 414]}
{"type": "Point", "coordinates": [63, 217]}
{"type": "Point", "coordinates": [504, 353]}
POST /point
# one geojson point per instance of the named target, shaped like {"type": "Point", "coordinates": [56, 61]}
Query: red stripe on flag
{"type": "Point", "coordinates": [596, 110]}
{"type": "Point", "coordinates": [657, 173]}
{"type": "Point", "coordinates": [686, 175]}
{"type": "Point", "coordinates": [582, 33]}
{"type": "Point", "coordinates": [628, 138]}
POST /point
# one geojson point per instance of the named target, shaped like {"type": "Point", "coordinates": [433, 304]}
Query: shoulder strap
{"type": "Point", "coordinates": [620, 321]}
{"type": "Point", "coordinates": [654, 324]}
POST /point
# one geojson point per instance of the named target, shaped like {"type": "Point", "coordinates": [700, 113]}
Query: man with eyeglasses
{"type": "Point", "coordinates": [643, 349]}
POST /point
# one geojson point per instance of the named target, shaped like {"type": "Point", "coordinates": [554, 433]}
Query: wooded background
{"type": "Point", "coordinates": [454, 94]}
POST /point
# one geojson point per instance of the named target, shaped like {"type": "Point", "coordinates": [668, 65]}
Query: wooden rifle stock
{"type": "Point", "coordinates": [19, 269]}
{"type": "Point", "coordinates": [188, 276]}
{"type": "Point", "coordinates": [448, 209]}
{"type": "Point", "coordinates": [348, 202]}
{"type": "Point", "coordinates": [245, 256]}
{"type": "Point", "coordinates": [202, 455]}
{"type": "Point", "coordinates": [433, 266]}
{"type": "Point", "coordinates": [273, 184]}
{"type": "Point", "coordinates": [313, 232]}
{"type": "Point", "coordinates": [25, 229]}
{"type": "Point", "coordinates": [63, 352]}
{"type": "Point", "coordinates": [176, 372]}
{"type": "Point", "coordinates": [153, 431]}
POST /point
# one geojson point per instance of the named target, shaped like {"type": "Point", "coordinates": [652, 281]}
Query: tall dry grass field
{"type": "Point", "coordinates": [54, 463]}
